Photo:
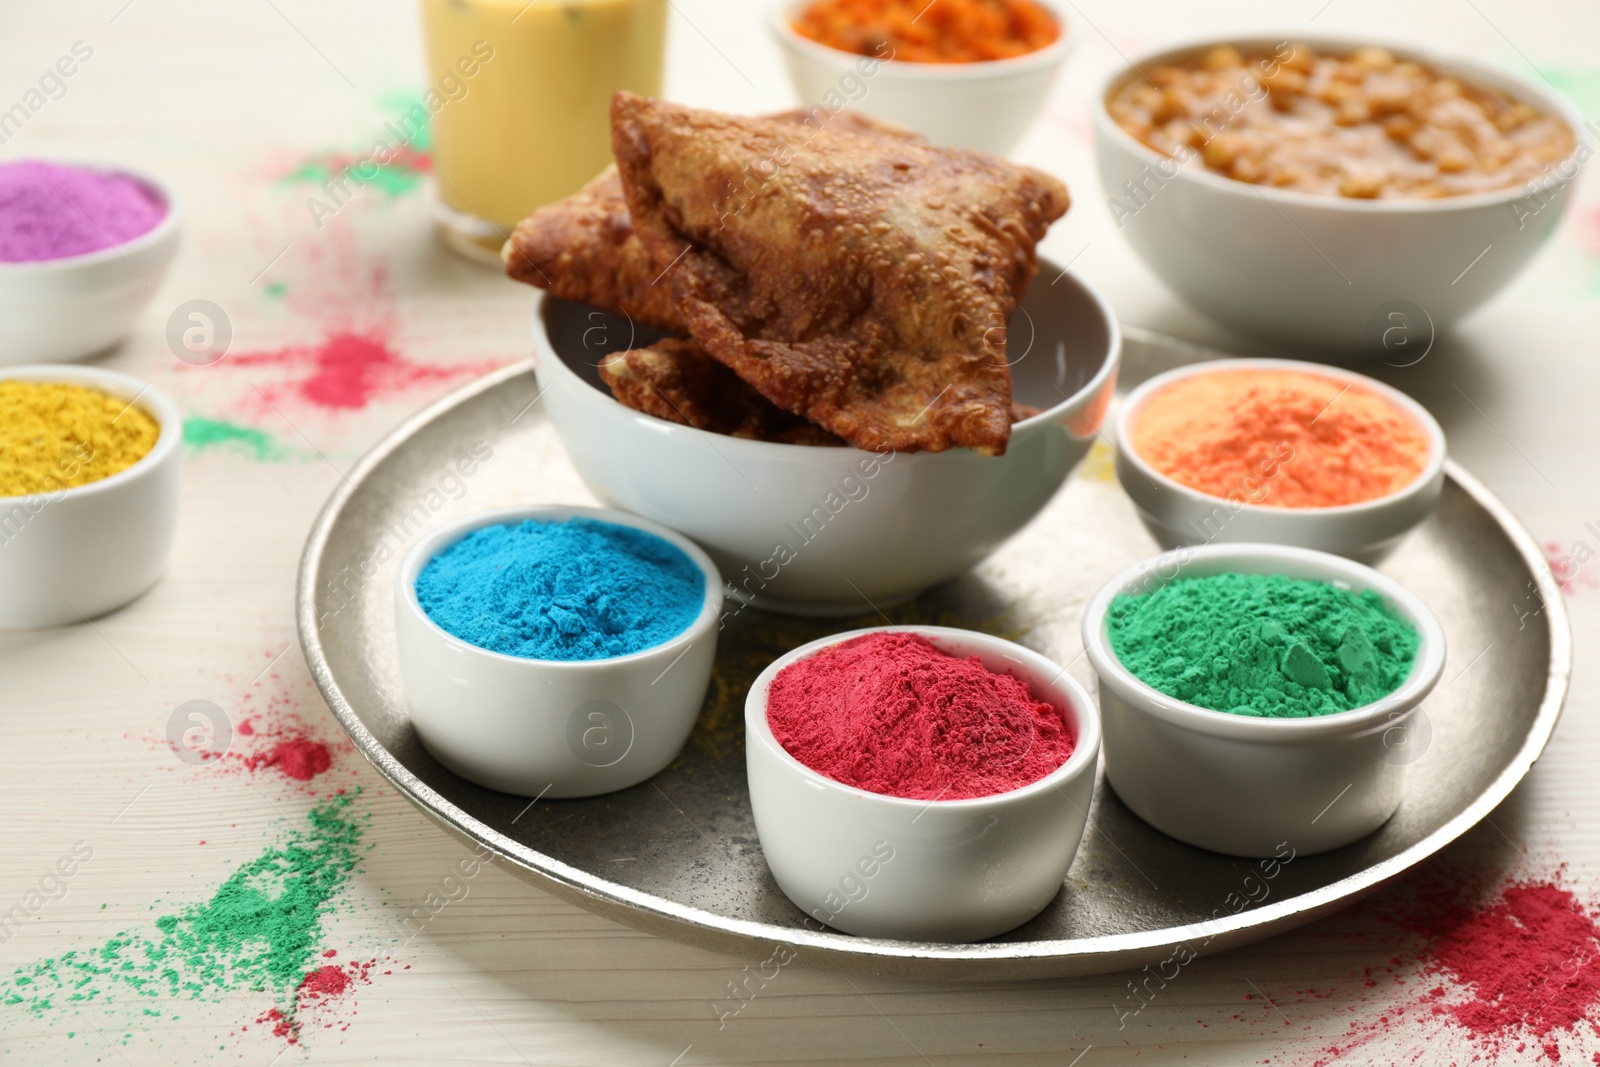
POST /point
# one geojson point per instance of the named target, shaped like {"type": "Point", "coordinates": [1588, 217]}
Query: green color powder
{"type": "Point", "coordinates": [260, 931]}
{"type": "Point", "coordinates": [1263, 645]}
{"type": "Point", "coordinates": [201, 434]}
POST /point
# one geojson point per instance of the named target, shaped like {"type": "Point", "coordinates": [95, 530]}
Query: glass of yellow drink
{"type": "Point", "coordinates": [531, 123]}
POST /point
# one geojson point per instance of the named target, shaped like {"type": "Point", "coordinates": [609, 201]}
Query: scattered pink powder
{"type": "Point", "coordinates": [1513, 974]}
{"type": "Point", "coordinates": [298, 757]}
{"type": "Point", "coordinates": [316, 1000]}
{"type": "Point", "coordinates": [328, 981]}
{"type": "Point", "coordinates": [49, 211]}
{"type": "Point", "coordinates": [348, 369]}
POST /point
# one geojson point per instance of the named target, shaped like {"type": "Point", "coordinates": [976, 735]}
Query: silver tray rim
{"type": "Point", "coordinates": [710, 930]}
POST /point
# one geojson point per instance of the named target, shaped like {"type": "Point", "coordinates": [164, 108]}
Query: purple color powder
{"type": "Point", "coordinates": [49, 211]}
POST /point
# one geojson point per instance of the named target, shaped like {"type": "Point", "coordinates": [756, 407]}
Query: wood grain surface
{"type": "Point", "coordinates": [236, 105]}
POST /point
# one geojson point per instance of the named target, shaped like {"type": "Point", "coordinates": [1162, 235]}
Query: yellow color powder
{"type": "Point", "coordinates": [54, 436]}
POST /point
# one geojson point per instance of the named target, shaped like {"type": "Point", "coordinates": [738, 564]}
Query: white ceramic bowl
{"type": "Point", "coordinates": [1243, 785]}
{"type": "Point", "coordinates": [857, 529]}
{"type": "Point", "coordinates": [988, 106]}
{"type": "Point", "coordinates": [551, 728]}
{"type": "Point", "coordinates": [65, 309]}
{"type": "Point", "coordinates": [1327, 273]}
{"type": "Point", "coordinates": [76, 553]}
{"type": "Point", "coordinates": [918, 870]}
{"type": "Point", "coordinates": [1176, 514]}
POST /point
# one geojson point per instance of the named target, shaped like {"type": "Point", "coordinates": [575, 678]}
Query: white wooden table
{"type": "Point", "coordinates": [224, 100]}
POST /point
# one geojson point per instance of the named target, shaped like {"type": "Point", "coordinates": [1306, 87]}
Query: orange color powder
{"type": "Point", "coordinates": [1280, 438]}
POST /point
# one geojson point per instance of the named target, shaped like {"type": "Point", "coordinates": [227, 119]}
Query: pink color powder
{"type": "Point", "coordinates": [51, 212]}
{"type": "Point", "coordinates": [891, 714]}
{"type": "Point", "coordinates": [348, 369]}
{"type": "Point", "coordinates": [298, 757]}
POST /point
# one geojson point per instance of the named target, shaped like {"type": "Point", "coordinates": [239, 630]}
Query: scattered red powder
{"type": "Point", "coordinates": [1513, 974]}
{"type": "Point", "coordinates": [313, 1000]}
{"type": "Point", "coordinates": [891, 714]}
{"type": "Point", "coordinates": [348, 369]}
{"type": "Point", "coordinates": [299, 757]}
{"type": "Point", "coordinates": [1569, 566]}
{"type": "Point", "coordinates": [328, 981]}
{"type": "Point", "coordinates": [1529, 961]}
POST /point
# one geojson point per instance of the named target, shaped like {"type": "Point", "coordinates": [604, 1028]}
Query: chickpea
{"type": "Point", "coordinates": [1360, 186]}
{"type": "Point", "coordinates": [1400, 127]}
{"type": "Point", "coordinates": [1300, 59]}
{"type": "Point", "coordinates": [1372, 58]}
{"type": "Point", "coordinates": [1250, 169]}
{"type": "Point", "coordinates": [1223, 57]}
{"type": "Point", "coordinates": [1353, 112]}
{"type": "Point", "coordinates": [1223, 150]}
{"type": "Point", "coordinates": [1335, 125]}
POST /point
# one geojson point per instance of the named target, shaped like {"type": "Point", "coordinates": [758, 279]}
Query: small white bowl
{"type": "Point", "coordinates": [551, 728]}
{"type": "Point", "coordinates": [1176, 514]}
{"type": "Point", "coordinates": [76, 306]}
{"type": "Point", "coordinates": [919, 870]}
{"type": "Point", "coordinates": [76, 553]}
{"type": "Point", "coordinates": [1243, 785]}
{"type": "Point", "coordinates": [1359, 278]}
{"type": "Point", "coordinates": [987, 106]}
{"type": "Point", "coordinates": [858, 528]}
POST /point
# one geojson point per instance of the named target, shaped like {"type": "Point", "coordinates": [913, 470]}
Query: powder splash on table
{"type": "Point", "coordinates": [1516, 974]}
{"type": "Point", "coordinates": [1278, 438]}
{"type": "Point", "coordinates": [573, 590]}
{"type": "Point", "coordinates": [348, 368]}
{"type": "Point", "coordinates": [401, 171]}
{"type": "Point", "coordinates": [49, 211]}
{"type": "Point", "coordinates": [261, 931]}
{"type": "Point", "coordinates": [1263, 645]}
{"type": "Point", "coordinates": [891, 713]}
{"type": "Point", "coordinates": [204, 435]}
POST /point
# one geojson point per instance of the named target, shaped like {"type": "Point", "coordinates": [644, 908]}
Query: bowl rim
{"type": "Point", "coordinates": [1147, 700]}
{"type": "Point", "coordinates": [161, 232]}
{"type": "Point", "coordinates": [430, 543]}
{"type": "Point", "coordinates": [955, 641]}
{"type": "Point", "coordinates": [1476, 68]}
{"type": "Point", "coordinates": [778, 23]}
{"type": "Point", "coordinates": [1430, 477]}
{"type": "Point", "coordinates": [169, 423]}
{"type": "Point", "coordinates": [546, 356]}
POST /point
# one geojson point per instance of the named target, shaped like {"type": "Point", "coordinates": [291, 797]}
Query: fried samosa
{"type": "Point", "coordinates": [858, 281]}
{"type": "Point", "coordinates": [675, 380]}
{"type": "Point", "coordinates": [584, 249]}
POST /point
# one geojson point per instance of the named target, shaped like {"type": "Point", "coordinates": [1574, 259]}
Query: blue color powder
{"type": "Point", "coordinates": [573, 590]}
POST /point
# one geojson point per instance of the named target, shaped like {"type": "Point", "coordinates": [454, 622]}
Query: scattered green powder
{"type": "Point", "coordinates": [200, 434]}
{"type": "Point", "coordinates": [260, 931]}
{"type": "Point", "coordinates": [1263, 645]}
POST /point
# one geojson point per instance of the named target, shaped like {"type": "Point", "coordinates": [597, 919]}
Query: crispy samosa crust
{"type": "Point", "coordinates": [584, 249]}
{"type": "Point", "coordinates": [858, 281]}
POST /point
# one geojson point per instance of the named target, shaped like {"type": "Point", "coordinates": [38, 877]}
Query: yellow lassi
{"type": "Point", "coordinates": [535, 125]}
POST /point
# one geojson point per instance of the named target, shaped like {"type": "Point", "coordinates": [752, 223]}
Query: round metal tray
{"type": "Point", "coordinates": [678, 855]}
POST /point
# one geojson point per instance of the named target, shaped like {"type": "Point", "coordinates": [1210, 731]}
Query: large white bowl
{"type": "Point", "coordinates": [69, 308]}
{"type": "Point", "coordinates": [1360, 278]}
{"type": "Point", "coordinates": [76, 553]}
{"type": "Point", "coordinates": [857, 529]}
{"type": "Point", "coordinates": [987, 106]}
{"type": "Point", "coordinates": [918, 870]}
{"type": "Point", "coordinates": [551, 728]}
{"type": "Point", "coordinates": [1176, 514]}
{"type": "Point", "coordinates": [1249, 786]}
